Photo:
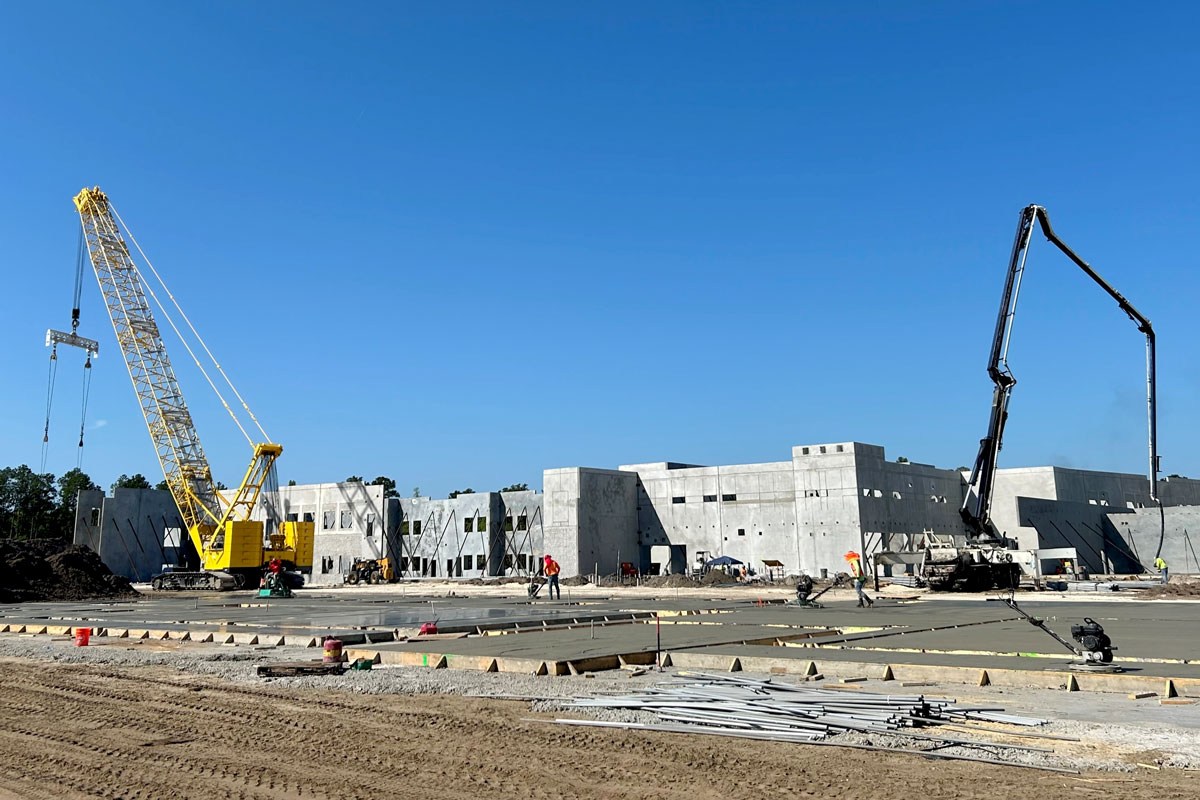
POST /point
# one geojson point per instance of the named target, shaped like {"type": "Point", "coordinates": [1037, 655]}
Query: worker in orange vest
{"type": "Point", "coordinates": [859, 577]}
{"type": "Point", "coordinates": [551, 569]}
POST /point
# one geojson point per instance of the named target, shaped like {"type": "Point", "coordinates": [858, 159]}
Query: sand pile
{"type": "Point", "coordinates": [53, 570]}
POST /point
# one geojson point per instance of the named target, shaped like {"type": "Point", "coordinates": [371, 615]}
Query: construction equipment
{"type": "Point", "coordinates": [804, 588]}
{"type": "Point", "coordinates": [986, 558]}
{"type": "Point", "coordinates": [275, 585]}
{"type": "Point", "coordinates": [1094, 648]}
{"type": "Point", "coordinates": [231, 546]}
{"type": "Point", "coordinates": [370, 570]}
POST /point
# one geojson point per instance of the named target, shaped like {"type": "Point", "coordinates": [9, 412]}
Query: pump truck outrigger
{"type": "Point", "coordinates": [986, 559]}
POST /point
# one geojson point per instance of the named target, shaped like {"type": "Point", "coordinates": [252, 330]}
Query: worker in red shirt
{"type": "Point", "coordinates": [552, 569]}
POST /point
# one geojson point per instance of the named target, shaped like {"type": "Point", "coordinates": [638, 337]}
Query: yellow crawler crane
{"type": "Point", "coordinates": [232, 547]}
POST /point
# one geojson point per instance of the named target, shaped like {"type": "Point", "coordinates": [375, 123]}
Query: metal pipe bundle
{"type": "Point", "coordinates": [705, 703]}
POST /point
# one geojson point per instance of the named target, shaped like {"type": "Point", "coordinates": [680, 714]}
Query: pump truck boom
{"type": "Point", "coordinates": [231, 546]}
{"type": "Point", "coordinates": [986, 559]}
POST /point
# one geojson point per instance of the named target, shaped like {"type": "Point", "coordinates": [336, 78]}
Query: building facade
{"type": "Point", "coordinates": [135, 531]}
{"type": "Point", "coordinates": [806, 513]}
{"type": "Point", "coordinates": [798, 515]}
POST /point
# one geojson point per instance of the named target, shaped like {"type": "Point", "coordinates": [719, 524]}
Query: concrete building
{"type": "Point", "coordinates": [135, 532]}
{"type": "Point", "coordinates": [1103, 490]}
{"type": "Point", "coordinates": [804, 514]}
{"type": "Point", "coordinates": [591, 519]}
{"type": "Point", "coordinates": [474, 535]}
{"type": "Point", "coordinates": [351, 519]}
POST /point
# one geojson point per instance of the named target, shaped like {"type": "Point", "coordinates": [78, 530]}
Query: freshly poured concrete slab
{"type": "Point", "coordinates": [318, 613]}
{"type": "Point", "coordinates": [1133, 639]}
{"type": "Point", "coordinates": [578, 648]}
{"type": "Point", "coordinates": [914, 614]}
{"type": "Point", "coordinates": [976, 661]}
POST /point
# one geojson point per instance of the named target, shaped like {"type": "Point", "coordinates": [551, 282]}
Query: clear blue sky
{"type": "Point", "coordinates": [458, 243]}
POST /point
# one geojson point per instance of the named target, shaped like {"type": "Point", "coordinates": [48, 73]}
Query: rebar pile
{"type": "Point", "coordinates": [728, 706]}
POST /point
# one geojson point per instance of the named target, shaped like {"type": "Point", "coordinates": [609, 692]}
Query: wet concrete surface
{"type": "Point", "coordinates": [944, 631]}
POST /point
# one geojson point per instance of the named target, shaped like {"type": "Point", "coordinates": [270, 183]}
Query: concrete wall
{"type": "Point", "coordinates": [471, 536]}
{"type": "Point", "coordinates": [1027, 482]}
{"type": "Point", "coordinates": [135, 532]}
{"type": "Point", "coordinates": [806, 512]}
{"type": "Point", "coordinates": [745, 511]}
{"type": "Point", "coordinates": [1087, 528]}
{"type": "Point", "coordinates": [1104, 490]}
{"type": "Point", "coordinates": [591, 519]}
{"type": "Point", "coordinates": [1140, 529]}
{"type": "Point", "coordinates": [352, 520]}
{"type": "Point", "coordinates": [899, 502]}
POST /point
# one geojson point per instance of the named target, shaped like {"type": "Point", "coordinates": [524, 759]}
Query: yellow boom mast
{"type": "Point", "coordinates": [221, 529]}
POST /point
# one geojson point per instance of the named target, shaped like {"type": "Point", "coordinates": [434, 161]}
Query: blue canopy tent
{"type": "Point", "coordinates": [722, 561]}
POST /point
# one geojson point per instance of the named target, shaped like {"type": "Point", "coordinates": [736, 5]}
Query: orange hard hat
{"type": "Point", "coordinates": [851, 556]}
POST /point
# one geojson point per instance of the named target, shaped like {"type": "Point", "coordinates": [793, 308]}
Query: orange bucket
{"type": "Point", "coordinates": [82, 636]}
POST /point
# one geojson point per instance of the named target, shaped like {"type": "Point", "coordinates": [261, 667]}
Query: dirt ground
{"type": "Point", "coordinates": [90, 730]}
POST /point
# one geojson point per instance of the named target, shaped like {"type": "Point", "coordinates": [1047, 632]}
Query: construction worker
{"type": "Point", "coordinates": [551, 569]}
{"type": "Point", "coordinates": [859, 577]}
{"type": "Point", "coordinates": [1161, 566]}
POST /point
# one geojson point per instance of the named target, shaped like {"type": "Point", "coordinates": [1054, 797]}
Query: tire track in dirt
{"type": "Point", "coordinates": [79, 731]}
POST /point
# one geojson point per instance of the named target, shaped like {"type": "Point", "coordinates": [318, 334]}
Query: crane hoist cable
{"type": "Point", "coordinates": [50, 378]}
{"type": "Point", "coordinates": [87, 390]}
{"type": "Point", "coordinates": [195, 333]}
{"type": "Point", "coordinates": [76, 294]}
{"type": "Point", "coordinates": [171, 321]}
{"type": "Point", "coordinates": [80, 260]}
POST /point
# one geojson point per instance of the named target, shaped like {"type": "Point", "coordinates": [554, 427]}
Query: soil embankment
{"type": "Point", "coordinates": [36, 570]}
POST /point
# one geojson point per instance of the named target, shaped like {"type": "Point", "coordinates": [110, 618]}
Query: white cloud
{"type": "Point", "coordinates": [100, 423]}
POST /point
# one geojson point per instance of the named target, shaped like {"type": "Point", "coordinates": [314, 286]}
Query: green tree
{"type": "Point", "coordinates": [389, 486]}
{"type": "Point", "coordinates": [291, 483]}
{"type": "Point", "coordinates": [162, 486]}
{"type": "Point", "coordinates": [27, 503]}
{"type": "Point", "coordinates": [135, 481]}
{"type": "Point", "coordinates": [69, 487]}
{"type": "Point", "coordinates": [416, 491]}
{"type": "Point", "coordinates": [353, 479]}
{"type": "Point", "coordinates": [457, 492]}
{"type": "Point", "coordinates": [516, 487]}
{"type": "Point", "coordinates": [220, 486]}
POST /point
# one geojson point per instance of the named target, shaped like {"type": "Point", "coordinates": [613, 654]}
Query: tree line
{"type": "Point", "coordinates": [38, 505]}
